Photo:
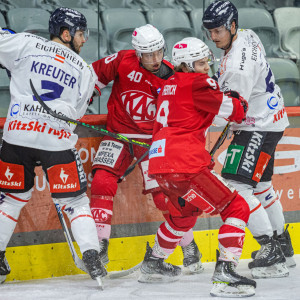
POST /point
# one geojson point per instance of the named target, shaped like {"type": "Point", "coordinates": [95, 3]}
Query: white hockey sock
{"type": "Point", "coordinates": [82, 222]}
{"type": "Point", "coordinates": [264, 191]}
{"type": "Point", "coordinates": [258, 223]}
{"type": "Point", "coordinates": [10, 208]}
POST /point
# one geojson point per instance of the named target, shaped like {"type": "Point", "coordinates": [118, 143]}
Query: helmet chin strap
{"type": "Point", "coordinates": [70, 43]}
{"type": "Point", "coordinates": [231, 38]}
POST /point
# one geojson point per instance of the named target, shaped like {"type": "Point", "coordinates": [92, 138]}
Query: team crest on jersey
{"type": "Point", "coordinates": [139, 105]}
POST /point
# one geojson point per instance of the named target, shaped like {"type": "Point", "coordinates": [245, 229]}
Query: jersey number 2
{"type": "Point", "coordinates": [55, 88]}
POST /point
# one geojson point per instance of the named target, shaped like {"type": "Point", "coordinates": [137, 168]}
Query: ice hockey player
{"type": "Point", "coordinates": [244, 68]}
{"type": "Point", "coordinates": [31, 137]}
{"type": "Point", "coordinates": [186, 107]}
{"type": "Point", "coordinates": [137, 75]}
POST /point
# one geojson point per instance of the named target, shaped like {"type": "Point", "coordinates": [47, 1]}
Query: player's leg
{"type": "Point", "coordinates": [110, 163]}
{"type": "Point", "coordinates": [154, 268]}
{"type": "Point", "coordinates": [68, 184]}
{"type": "Point", "coordinates": [247, 159]}
{"type": "Point", "coordinates": [211, 194]}
{"type": "Point", "coordinates": [17, 180]}
{"type": "Point", "coordinates": [265, 192]}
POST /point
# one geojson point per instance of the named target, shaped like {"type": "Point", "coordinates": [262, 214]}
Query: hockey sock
{"type": "Point", "coordinates": [166, 240]}
{"type": "Point", "coordinates": [264, 191]}
{"type": "Point", "coordinates": [82, 222]}
{"type": "Point", "coordinates": [231, 239]}
{"type": "Point", "coordinates": [187, 238]}
{"type": "Point", "coordinates": [10, 208]}
{"type": "Point", "coordinates": [102, 210]}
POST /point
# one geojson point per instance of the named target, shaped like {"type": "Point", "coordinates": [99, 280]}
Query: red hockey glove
{"type": "Point", "coordinates": [239, 115]}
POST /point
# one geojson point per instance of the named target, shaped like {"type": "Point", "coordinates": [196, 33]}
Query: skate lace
{"type": "Point", "coordinates": [264, 251]}
{"type": "Point", "coordinates": [189, 250]}
{"type": "Point", "coordinates": [167, 266]}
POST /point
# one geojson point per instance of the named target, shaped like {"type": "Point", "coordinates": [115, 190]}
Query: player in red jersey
{"type": "Point", "coordinates": [186, 107]}
{"type": "Point", "coordinates": [138, 75]}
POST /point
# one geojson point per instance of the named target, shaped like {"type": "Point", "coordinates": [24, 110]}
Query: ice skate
{"type": "Point", "coordinates": [154, 269]}
{"type": "Point", "coordinates": [269, 261]}
{"type": "Point", "coordinates": [227, 283]}
{"type": "Point", "coordinates": [94, 266]}
{"type": "Point", "coordinates": [287, 247]}
{"type": "Point", "coordinates": [192, 258]}
{"type": "Point", "coordinates": [103, 253]}
{"type": "Point", "coordinates": [4, 267]}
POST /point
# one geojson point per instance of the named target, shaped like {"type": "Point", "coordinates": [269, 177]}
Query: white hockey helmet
{"type": "Point", "coordinates": [190, 50]}
{"type": "Point", "coordinates": [147, 39]}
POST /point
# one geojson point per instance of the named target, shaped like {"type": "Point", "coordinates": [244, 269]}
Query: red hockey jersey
{"type": "Point", "coordinates": [186, 107]}
{"type": "Point", "coordinates": [132, 103]}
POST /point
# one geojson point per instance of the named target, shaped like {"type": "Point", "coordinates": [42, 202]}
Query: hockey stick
{"type": "Point", "coordinates": [220, 140]}
{"type": "Point", "coordinates": [131, 168]}
{"type": "Point", "coordinates": [78, 262]}
{"type": "Point", "coordinates": [75, 122]}
{"type": "Point", "coordinates": [124, 272]}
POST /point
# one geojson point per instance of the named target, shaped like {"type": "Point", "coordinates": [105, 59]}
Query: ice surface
{"type": "Point", "coordinates": [81, 287]}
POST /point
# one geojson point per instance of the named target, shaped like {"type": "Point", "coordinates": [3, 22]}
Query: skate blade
{"type": "Point", "coordinates": [222, 289]}
{"type": "Point", "coordinates": [2, 278]}
{"type": "Point", "coordinates": [157, 278]}
{"type": "Point", "coordinates": [195, 268]}
{"type": "Point", "coordinates": [100, 283]}
{"type": "Point", "coordinates": [290, 262]}
{"type": "Point", "coordinates": [275, 271]}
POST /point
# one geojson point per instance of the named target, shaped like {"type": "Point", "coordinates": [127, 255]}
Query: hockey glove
{"type": "Point", "coordinates": [237, 117]}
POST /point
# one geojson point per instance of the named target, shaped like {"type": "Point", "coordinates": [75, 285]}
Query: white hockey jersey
{"type": "Point", "coordinates": [63, 80]}
{"type": "Point", "coordinates": [245, 69]}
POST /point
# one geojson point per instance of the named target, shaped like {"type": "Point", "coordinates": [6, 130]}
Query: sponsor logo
{"type": "Point", "coordinates": [63, 176]}
{"type": "Point", "coordinates": [272, 102]}
{"type": "Point", "coordinates": [169, 89]}
{"type": "Point", "coordinates": [242, 64]}
{"type": "Point", "coordinates": [254, 51]}
{"type": "Point", "coordinates": [157, 149]}
{"type": "Point", "coordinates": [8, 174]}
{"type": "Point", "coordinates": [253, 146]}
{"type": "Point", "coordinates": [38, 127]}
{"type": "Point", "coordinates": [268, 197]}
{"type": "Point", "coordinates": [79, 166]}
{"type": "Point", "coordinates": [197, 200]}
{"type": "Point", "coordinates": [289, 159]}
{"type": "Point", "coordinates": [180, 46]}
{"type": "Point", "coordinates": [250, 121]}
{"type": "Point", "coordinates": [14, 110]}
{"type": "Point", "coordinates": [68, 186]}
{"type": "Point", "coordinates": [139, 105]}
{"type": "Point", "coordinates": [278, 116]}
{"type": "Point", "coordinates": [99, 215]}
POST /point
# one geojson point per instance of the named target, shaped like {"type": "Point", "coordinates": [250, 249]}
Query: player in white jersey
{"type": "Point", "coordinates": [31, 137]}
{"type": "Point", "coordinates": [244, 68]}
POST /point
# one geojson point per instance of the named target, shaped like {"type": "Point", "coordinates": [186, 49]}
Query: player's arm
{"type": "Point", "coordinates": [207, 97]}
{"type": "Point", "coordinates": [7, 41]}
{"type": "Point", "coordinates": [106, 68]}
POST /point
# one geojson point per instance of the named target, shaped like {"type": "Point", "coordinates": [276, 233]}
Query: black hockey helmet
{"type": "Point", "coordinates": [220, 13]}
{"type": "Point", "coordinates": [72, 19]}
